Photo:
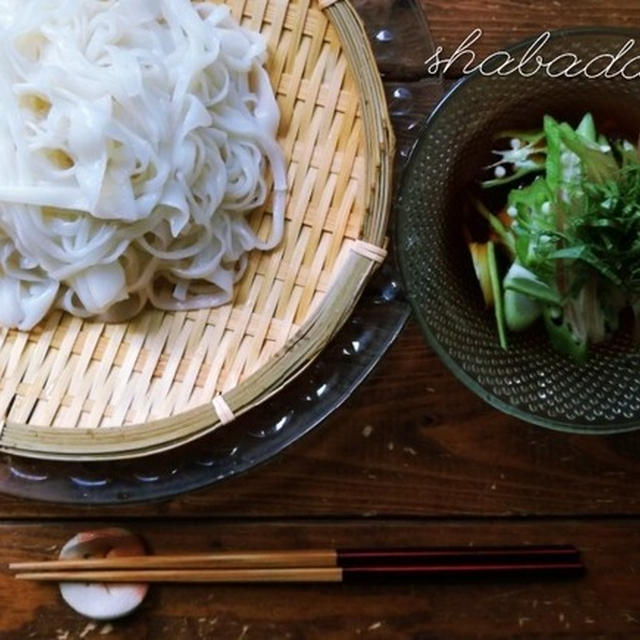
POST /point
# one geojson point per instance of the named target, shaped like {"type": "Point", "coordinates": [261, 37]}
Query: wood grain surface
{"type": "Point", "coordinates": [445, 453]}
{"type": "Point", "coordinates": [505, 22]}
{"type": "Point", "coordinates": [412, 458]}
{"type": "Point", "coordinates": [596, 606]}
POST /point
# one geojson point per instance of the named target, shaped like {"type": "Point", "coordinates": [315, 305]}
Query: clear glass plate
{"type": "Point", "coordinates": [250, 440]}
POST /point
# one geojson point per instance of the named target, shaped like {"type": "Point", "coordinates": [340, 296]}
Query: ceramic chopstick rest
{"type": "Point", "coordinates": [98, 600]}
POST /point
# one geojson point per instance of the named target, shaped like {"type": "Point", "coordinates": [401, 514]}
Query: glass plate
{"type": "Point", "coordinates": [401, 42]}
{"type": "Point", "coordinates": [250, 440]}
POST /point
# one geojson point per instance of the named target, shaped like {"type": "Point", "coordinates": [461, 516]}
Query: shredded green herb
{"type": "Point", "coordinates": [572, 234]}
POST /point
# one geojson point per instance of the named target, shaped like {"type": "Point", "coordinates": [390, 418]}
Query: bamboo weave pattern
{"type": "Point", "coordinates": [69, 372]}
{"type": "Point", "coordinates": [84, 391]}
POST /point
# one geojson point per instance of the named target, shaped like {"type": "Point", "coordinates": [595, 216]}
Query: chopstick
{"type": "Point", "coordinates": [306, 574]}
{"type": "Point", "coordinates": [310, 558]}
{"type": "Point", "coordinates": [322, 565]}
{"type": "Point", "coordinates": [220, 560]}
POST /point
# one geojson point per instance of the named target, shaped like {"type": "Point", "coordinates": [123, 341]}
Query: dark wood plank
{"type": "Point", "coordinates": [505, 22]}
{"type": "Point", "coordinates": [413, 441]}
{"type": "Point", "coordinates": [602, 604]}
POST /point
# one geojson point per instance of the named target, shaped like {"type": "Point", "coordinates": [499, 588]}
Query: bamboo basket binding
{"type": "Point", "coordinates": [73, 389]}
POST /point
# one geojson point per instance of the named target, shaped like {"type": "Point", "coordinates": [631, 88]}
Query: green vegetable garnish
{"type": "Point", "coordinates": [526, 155]}
{"type": "Point", "coordinates": [574, 238]}
{"type": "Point", "coordinates": [497, 294]}
{"type": "Point", "coordinates": [562, 337]}
{"type": "Point", "coordinates": [479, 258]}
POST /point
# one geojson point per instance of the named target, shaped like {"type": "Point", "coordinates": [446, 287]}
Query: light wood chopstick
{"type": "Point", "coordinates": [217, 560]}
{"type": "Point", "coordinates": [299, 574]}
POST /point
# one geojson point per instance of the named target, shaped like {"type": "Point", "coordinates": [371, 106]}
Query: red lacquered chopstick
{"type": "Point", "coordinates": [438, 556]}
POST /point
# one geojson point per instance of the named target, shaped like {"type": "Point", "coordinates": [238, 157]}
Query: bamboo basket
{"type": "Point", "coordinates": [73, 389]}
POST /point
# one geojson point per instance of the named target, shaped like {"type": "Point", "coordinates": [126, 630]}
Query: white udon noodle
{"type": "Point", "coordinates": [135, 136]}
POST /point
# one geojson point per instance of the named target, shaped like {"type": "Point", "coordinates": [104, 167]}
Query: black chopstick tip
{"type": "Point", "coordinates": [456, 573]}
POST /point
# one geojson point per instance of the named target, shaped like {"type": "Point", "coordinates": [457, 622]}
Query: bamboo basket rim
{"type": "Point", "coordinates": [138, 440]}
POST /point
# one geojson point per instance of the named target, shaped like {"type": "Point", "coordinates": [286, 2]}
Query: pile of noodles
{"type": "Point", "coordinates": [135, 136]}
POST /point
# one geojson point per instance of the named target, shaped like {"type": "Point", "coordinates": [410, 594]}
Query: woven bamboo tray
{"type": "Point", "coordinates": [82, 390]}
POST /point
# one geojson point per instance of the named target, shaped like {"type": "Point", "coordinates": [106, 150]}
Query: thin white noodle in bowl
{"type": "Point", "coordinates": [135, 139]}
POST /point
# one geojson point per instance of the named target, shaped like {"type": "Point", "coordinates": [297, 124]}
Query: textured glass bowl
{"type": "Point", "coordinates": [529, 380]}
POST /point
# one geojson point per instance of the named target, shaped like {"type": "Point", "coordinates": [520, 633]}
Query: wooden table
{"type": "Point", "coordinates": [413, 458]}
